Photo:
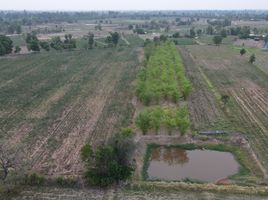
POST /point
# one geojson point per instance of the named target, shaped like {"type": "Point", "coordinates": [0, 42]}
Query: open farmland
{"type": "Point", "coordinates": [127, 193]}
{"type": "Point", "coordinates": [53, 103]}
{"type": "Point", "coordinates": [224, 71]}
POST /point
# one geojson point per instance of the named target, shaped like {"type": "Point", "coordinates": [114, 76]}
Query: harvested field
{"type": "Point", "coordinates": [204, 111]}
{"type": "Point", "coordinates": [54, 103]}
{"type": "Point", "coordinates": [43, 193]}
{"type": "Point", "coordinates": [229, 73]}
{"type": "Point", "coordinates": [250, 43]}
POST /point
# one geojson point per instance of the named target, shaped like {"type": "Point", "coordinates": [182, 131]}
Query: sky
{"type": "Point", "coordinates": [87, 5]}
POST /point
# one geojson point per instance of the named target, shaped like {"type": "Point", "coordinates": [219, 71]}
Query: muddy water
{"type": "Point", "coordinates": [178, 164]}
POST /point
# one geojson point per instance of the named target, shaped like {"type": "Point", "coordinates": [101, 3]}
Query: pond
{"type": "Point", "coordinates": [179, 164]}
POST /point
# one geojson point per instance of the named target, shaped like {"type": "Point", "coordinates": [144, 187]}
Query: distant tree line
{"type": "Point", "coordinates": [12, 27]}
{"type": "Point", "coordinates": [6, 45]}
{"type": "Point", "coordinates": [243, 32]}
{"type": "Point", "coordinates": [34, 44]}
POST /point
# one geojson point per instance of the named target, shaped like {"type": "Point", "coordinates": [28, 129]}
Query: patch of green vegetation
{"type": "Point", "coordinates": [18, 40]}
{"type": "Point", "coordinates": [184, 41]}
{"type": "Point", "coordinates": [164, 75]}
{"type": "Point", "coordinates": [134, 40]}
{"type": "Point", "coordinates": [172, 118]}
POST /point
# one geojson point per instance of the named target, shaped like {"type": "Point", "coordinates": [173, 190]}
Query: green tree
{"type": "Point", "coordinates": [115, 38]}
{"type": "Point", "coordinates": [225, 98]}
{"type": "Point", "coordinates": [56, 43]}
{"type": "Point", "coordinates": [199, 31]}
{"type": "Point", "coordinates": [32, 42]}
{"type": "Point", "coordinates": [224, 33]}
{"type": "Point", "coordinates": [163, 38]}
{"type": "Point", "coordinates": [252, 58]}
{"type": "Point", "coordinates": [130, 27]}
{"type": "Point", "coordinates": [34, 45]}
{"type": "Point", "coordinates": [6, 45]}
{"type": "Point", "coordinates": [90, 40]}
{"type": "Point", "coordinates": [18, 29]}
{"type": "Point", "coordinates": [17, 49]}
{"type": "Point", "coordinates": [176, 35]}
{"type": "Point", "coordinates": [110, 163]}
{"type": "Point", "coordinates": [45, 45]}
{"type": "Point", "coordinates": [69, 42]}
{"type": "Point", "coordinates": [210, 30]}
{"type": "Point", "coordinates": [242, 51]}
{"type": "Point", "coordinates": [192, 32]}
{"type": "Point", "coordinates": [143, 122]}
{"type": "Point", "coordinates": [217, 40]}
{"type": "Point", "coordinates": [244, 32]}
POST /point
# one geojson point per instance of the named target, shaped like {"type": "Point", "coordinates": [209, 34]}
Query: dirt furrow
{"type": "Point", "coordinates": [247, 110]}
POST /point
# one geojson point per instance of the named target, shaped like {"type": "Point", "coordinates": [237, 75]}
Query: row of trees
{"type": "Point", "coordinates": [10, 27]}
{"type": "Point", "coordinates": [164, 75]}
{"type": "Point", "coordinates": [242, 32]}
{"type": "Point", "coordinates": [171, 118]}
{"type": "Point", "coordinates": [56, 43]}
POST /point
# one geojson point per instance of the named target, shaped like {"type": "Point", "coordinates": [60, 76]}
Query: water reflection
{"type": "Point", "coordinates": [169, 155]}
{"type": "Point", "coordinates": [179, 164]}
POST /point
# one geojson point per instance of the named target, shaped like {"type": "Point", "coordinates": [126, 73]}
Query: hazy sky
{"type": "Point", "coordinates": [131, 4]}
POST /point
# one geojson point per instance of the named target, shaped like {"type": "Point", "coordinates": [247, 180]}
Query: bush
{"type": "Point", "coordinates": [34, 179]}
{"type": "Point", "coordinates": [45, 46]}
{"type": "Point", "coordinates": [6, 45]}
{"type": "Point", "coordinates": [110, 163]}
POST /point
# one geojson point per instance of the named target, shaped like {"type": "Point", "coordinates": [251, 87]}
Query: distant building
{"type": "Point", "coordinates": [266, 47]}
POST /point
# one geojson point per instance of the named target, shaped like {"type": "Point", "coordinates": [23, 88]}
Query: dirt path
{"type": "Point", "coordinates": [124, 39]}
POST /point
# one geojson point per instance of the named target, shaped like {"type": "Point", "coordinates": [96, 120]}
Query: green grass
{"type": "Point", "coordinates": [18, 40]}
{"type": "Point", "coordinates": [134, 40]}
{"type": "Point", "coordinates": [184, 41]}
{"type": "Point", "coordinates": [208, 39]}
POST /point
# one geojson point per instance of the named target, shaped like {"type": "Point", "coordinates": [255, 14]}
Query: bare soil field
{"type": "Point", "coordinates": [128, 193]}
{"type": "Point", "coordinates": [229, 73]}
{"type": "Point", "coordinates": [54, 103]}
{"type": "Point", "coordinates": [250, 43]}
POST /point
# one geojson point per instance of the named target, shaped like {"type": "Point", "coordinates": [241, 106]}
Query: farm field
{"type": "Point", "coordinates": [135, 105]}
{"type": "Point", "coordinates": [53, 103]}
{"type": "Point", "coordinates": [223, 71]}
{"type": "Point", "coordinates": [36, 193]}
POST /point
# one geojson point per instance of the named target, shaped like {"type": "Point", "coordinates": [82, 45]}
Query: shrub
{"type": "Point", "coordinates": [110, 163]}
{"type": "Point", "coordinates": [34, 179]}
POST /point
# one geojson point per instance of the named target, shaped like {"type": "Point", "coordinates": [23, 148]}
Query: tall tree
{"type": "Point", "coordinates": [11, 159]}
{"type": "Point", "coordinates": [192, 32]}
{"type": "Point", "coordinates": [252, 58]}
{"type": "Point", "coordinates": [217, 40]}
{"type": "Point", "coordinates": [90, 40]}
{"type": "Point", "coordinates": [6, 45]}
{"type": "Point", "coordinates": [111, 162]}
{"type": "Point", "coordinates": [115, 38]}
{"type": "Point", "coordinates": [242, 51]}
